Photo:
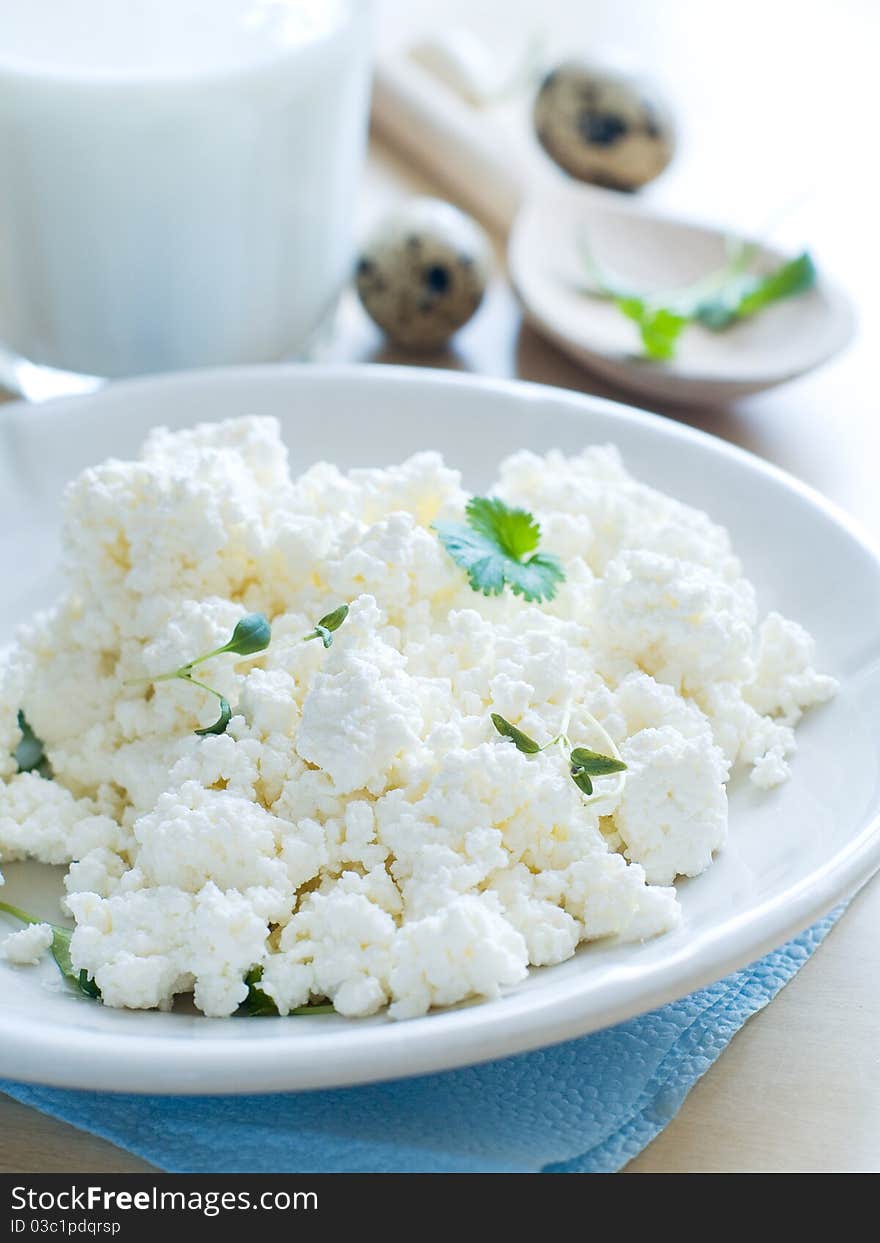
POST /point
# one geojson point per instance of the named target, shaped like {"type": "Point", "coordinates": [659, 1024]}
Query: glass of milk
{"type": "Point", "coordinates": [177, 182]}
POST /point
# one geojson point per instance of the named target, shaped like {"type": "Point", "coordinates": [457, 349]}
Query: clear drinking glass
{"type": "Point", "coordinates": [178, 182]}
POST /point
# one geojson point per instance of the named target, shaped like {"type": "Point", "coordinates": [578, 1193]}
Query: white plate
{"type": "Point", "coordinates": [651, 251]}
{"type": "Point", "coordinates": [792, 854]}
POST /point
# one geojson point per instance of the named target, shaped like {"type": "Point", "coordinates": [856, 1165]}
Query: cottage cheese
{"type": "Point", "coordinates": [26, 947]}
{"type": "Point", "coordinates": [361, 832]}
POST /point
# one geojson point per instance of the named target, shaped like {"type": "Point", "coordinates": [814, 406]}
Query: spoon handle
{"type": "Point", "coordinates": [469, 152]}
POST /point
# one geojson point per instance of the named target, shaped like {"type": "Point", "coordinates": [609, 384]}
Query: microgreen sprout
{"type": "Point", "coordinates": [583, 763]}
{"type": "Point", "coordinates": [328, 624]}
{"type": "Point", "coordinates": [586, 764]}
{"type": "Point", "coordinates": [252, 634]}
{"type": "Point", "coordinates": [60, 950]}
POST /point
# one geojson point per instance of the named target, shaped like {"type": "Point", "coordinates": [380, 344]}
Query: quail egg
{"type": "Point", "coordinates": [602, 126]}
{"type": "Point", "coordinates": [423, 272]}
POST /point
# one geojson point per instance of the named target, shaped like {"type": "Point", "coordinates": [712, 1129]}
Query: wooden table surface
{"type": "Point", "coordinates": [774, 100]}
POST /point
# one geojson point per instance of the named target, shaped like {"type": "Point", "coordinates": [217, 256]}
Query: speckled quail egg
{"type": "Point", "coordinates": [603, 126]}
{"type": "Point", "coordinates": [423, 271]}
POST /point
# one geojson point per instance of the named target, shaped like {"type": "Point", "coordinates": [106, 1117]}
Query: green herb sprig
{"type": "Point", "coordinates": [328, 624]}
{"type": "Point", "coordinates": [659, 327]}
{"type": "Point", "coordinates": [252, 634]}
{"type": "Point", "coordinates": [583, 764]}
{"type": "Point", "coordinates": [498, 547]}
{"type": "Point", "coordinates": [749, 293]}
{"type": "Point", "coordinates": [717, 300]}
{"type": "Point", "coordinates": [60, 950]}
{"type": "Point", "coordinates": [586, 764]}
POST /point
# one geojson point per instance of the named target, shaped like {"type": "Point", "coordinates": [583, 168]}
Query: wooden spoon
{"type": "Point", "coordinates": [649, 251]}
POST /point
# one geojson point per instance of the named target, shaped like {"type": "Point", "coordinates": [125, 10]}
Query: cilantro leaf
{"type": "Point", "coordinates": [521, 741]}
{"type": "Point", "coordinates": [659, 327]}
{"type": "Point", "coordinates": [474, 553]}
{"type": "Point", "coordinates": [497, 547]}
{"type": "Point", "coordinates": [750, 293]}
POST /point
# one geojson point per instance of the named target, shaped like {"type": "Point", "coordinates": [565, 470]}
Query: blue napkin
{"type": "Point", "coordinates": [587, 1106]}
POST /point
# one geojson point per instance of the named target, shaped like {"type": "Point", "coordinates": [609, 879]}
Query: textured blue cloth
{"type": "Point", "coordinates": [589, 1105]}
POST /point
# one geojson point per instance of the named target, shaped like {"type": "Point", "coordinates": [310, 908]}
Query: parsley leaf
{"type": "Point", "coordinates": [498, 547]}
{"type": "Point", "coordinates": [252, 634]}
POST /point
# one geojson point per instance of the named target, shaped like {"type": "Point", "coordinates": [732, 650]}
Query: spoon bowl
{"type": "Point", "coordinates": [649, 251]}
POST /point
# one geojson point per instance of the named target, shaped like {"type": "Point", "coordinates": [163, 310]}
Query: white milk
{"type": "Point", "coordinates": [177, 177]}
